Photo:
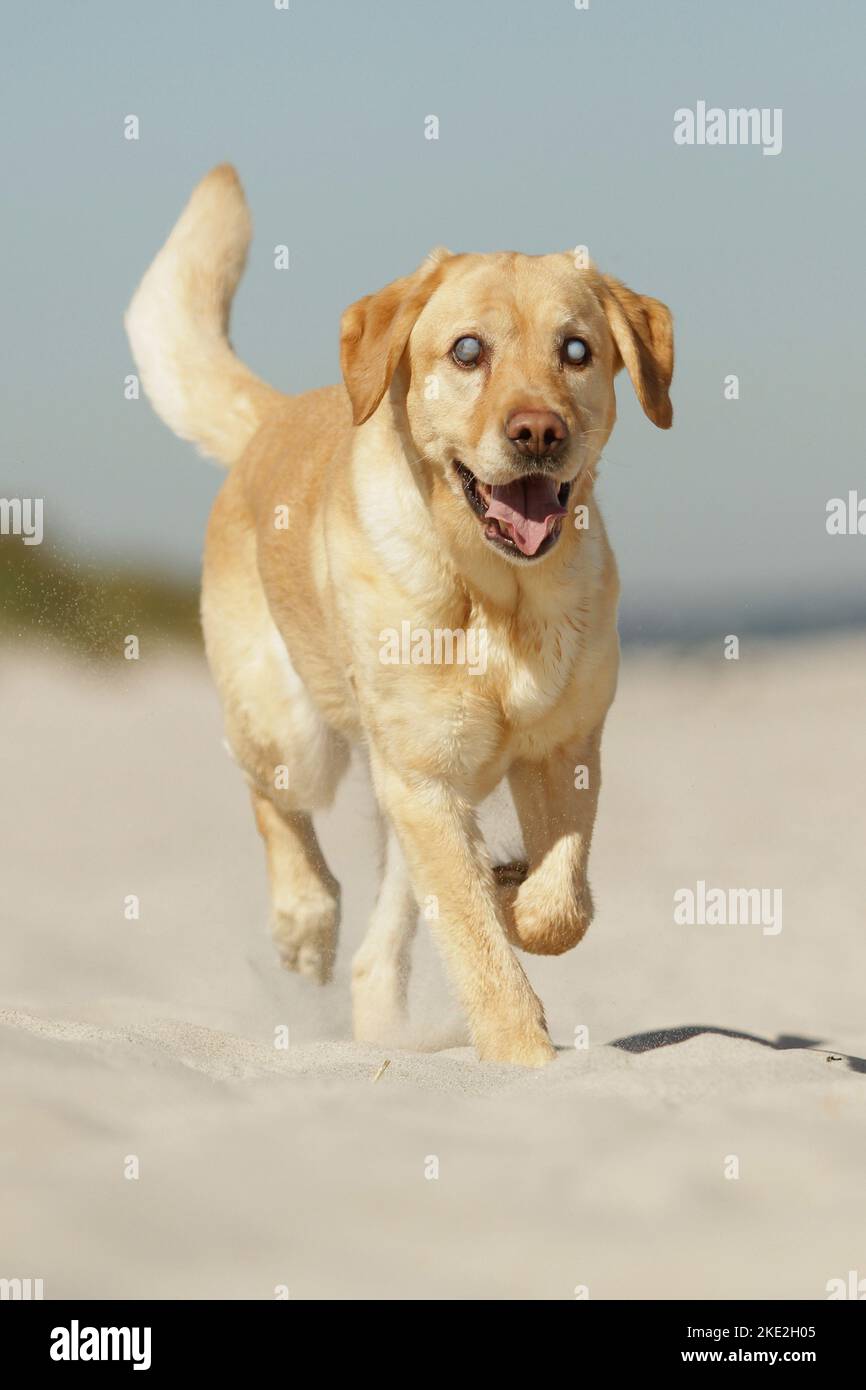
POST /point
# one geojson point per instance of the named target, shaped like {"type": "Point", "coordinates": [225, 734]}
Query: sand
{"type": "Point", "coordinates": [711, 1049]}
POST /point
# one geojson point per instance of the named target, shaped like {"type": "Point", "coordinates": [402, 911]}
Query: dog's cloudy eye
{"type": "Point", "coordinates": [575, 350]}
{"type": "Point", "coordinates": [466, 351]}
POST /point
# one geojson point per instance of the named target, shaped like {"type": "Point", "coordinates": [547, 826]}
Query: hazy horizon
{"type": "Point", "coordinates": [556, 129]}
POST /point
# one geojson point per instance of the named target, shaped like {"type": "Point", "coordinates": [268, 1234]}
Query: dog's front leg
{"type": "Point", "coordinates": [454, 884]}
{"type": "Point", "coordinates": [546, 903]}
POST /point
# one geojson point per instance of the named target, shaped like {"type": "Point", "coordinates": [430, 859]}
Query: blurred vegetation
{"type": "Point", "coordinates": [53, 597]}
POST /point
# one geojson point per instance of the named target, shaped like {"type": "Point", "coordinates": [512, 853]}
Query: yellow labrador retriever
{"type": "Point", "coordinates": [414, 561]}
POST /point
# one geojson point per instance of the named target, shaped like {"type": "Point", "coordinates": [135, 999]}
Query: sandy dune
{"type": "Point", "coordinates": [261, 1167]}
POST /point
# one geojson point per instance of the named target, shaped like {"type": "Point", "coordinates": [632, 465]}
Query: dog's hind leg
{"type": "Point", "coordinates": [293, 760]}
{"type": "Point", "coordinates": [305, 896]}
{"type": "Point", "coordinates": [380, 969]}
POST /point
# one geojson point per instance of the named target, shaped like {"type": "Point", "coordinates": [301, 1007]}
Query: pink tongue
{"type": "Point", "coordinates": [526, 509]}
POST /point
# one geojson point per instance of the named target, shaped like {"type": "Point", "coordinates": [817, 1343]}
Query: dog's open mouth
{"type": "Point", "coordinates": [523, 517]}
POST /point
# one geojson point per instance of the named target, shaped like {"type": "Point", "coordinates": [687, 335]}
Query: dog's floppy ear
{"type": "Point", "coordinates": [374, 333]}
{"type": "Point", "coordinates": [642, 329]}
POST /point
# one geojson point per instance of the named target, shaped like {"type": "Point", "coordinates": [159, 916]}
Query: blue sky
{"type": "Point", "coordinates": [556, 128]}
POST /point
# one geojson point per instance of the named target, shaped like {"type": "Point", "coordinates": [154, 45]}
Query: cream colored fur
{"type": "Point", "coordinates": [343, 518]}
{"type": "Point", "coordinates": [178, 322]}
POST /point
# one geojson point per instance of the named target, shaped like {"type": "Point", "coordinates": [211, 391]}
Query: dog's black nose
{"type": "Point", "coordinates": [537, 432]}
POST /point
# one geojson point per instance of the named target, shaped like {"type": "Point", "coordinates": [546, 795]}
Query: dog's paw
{"type": "Point", "coordinates": [521, 1039]}
{"type": "Point", "coordinates": [547, 921]}
{"type": "Point", "coordinates": [519, 1050]}
{"type": "Point", "coordinates": [379, 1012]}
{"type": "Point", "coordinates": [306, 939]}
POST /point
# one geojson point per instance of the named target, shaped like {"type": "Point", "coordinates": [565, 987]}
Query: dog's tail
{"type": "Point", "coordinates": [178, 321]}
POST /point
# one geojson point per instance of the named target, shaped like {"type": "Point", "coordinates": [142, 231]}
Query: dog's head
{"type": "Point", "coordinates": [506, 365]}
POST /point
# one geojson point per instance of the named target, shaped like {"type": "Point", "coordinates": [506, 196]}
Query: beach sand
{"type": "Point", "coordinates": [712, 1050]}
